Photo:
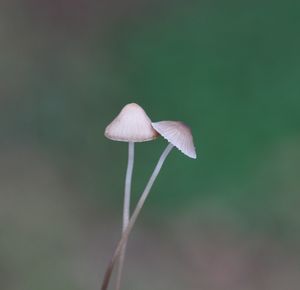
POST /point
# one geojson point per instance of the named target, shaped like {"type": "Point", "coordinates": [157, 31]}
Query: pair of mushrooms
{"type": "Point", "coordinates": [133, 125]}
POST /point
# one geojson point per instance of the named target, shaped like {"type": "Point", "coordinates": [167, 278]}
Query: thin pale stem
{"type": "Point", "coordinates": [126, 209]}
{"type": "Point", "coordinates": [134, 216]}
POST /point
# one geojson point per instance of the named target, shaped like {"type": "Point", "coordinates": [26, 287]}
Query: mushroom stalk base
{"type": "Point", "coordinates": [134, 216]}
{"type": "Point", "coordinates": [126, 209]}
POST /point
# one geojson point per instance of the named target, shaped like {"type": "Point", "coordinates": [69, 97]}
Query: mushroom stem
{"type": "Point", "coordinates": [126, 209]}
{"type": "Point", "coordinates": [134, 216]}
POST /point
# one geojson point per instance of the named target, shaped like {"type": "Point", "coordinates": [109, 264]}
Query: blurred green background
{"type": "Point", "coordinates": [228, 220]}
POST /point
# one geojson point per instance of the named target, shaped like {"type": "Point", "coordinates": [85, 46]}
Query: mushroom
{"type": "Point", "coordinates": [131, 125]}
{"type": "Point", "coordinates": [179, 135]}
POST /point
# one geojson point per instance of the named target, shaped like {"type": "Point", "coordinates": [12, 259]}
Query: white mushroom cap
{"type": "Point", "coordinates": [178, 134]}
{"type": "Point", "coordinates": [131, 125]}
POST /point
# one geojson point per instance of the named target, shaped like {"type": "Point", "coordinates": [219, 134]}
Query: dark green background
{"type": "Point", "coordinates": [230, 69]}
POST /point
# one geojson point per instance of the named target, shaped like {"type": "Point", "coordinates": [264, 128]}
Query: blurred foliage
{"type": "Point", "coordinates": [228, 69]}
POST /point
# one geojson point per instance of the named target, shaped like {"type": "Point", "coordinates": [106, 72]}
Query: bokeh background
{"type": "Point", "coordinates": [229, 220]}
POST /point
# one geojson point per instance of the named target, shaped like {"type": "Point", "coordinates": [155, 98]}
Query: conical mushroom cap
{"type": "Point", "coordinates": [131, 125]}
{"type": "Point", "coordinates": [178, 134]}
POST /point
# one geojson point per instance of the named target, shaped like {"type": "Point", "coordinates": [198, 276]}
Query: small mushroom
{"type": "Point", "coordinates": [179, 135]}
{"type": "Point", "coordinates": [131, 125]}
